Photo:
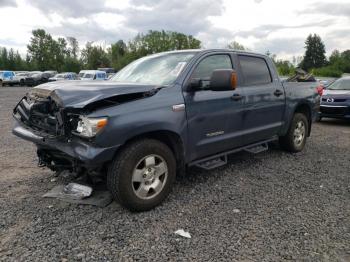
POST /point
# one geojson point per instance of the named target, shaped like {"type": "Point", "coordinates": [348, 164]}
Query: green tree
{"type": "Point", "coordinates": [160, 41]}
{"type": "Point", "coordinates": [93, 56]}
{"type": "Point", "coordinates": [40, 49]}
{"type": "Point", "coordinates": [315, 53]}
{"type": "Point", "coordinates": [284, 67]}
{"type": "Point", "coordinates": [73, 47]}
{"type": "Point", "coordinates": [236, 46]}
{"type": "Point", "coordinates": [117, 54]}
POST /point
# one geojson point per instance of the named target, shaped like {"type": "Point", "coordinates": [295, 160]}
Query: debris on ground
{"type": "Point", "coordinates": [236, 211]}
{"type": "Point", "coordinates": [80, 194]}
{"type": "Point", "coordinates": [77, 191]}
{"type": "Point", "coordinates": [182, 233]}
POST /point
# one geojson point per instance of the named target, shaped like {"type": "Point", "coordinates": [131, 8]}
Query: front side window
{"type": "Point", "coordinates": [206, 67]}
{"type": "Point", "coordinates": [255, 70]}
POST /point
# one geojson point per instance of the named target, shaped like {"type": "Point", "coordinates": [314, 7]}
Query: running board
{"type": "Point", "coordinates": [257, 149]}
{"type": "Point", "coordinates": [221, 159]}
{"type": "Point", "coordinates": [213, 163]}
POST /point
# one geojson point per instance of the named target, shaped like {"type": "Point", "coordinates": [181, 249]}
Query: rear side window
{"type": "Point", "coordinates": [255, 70]}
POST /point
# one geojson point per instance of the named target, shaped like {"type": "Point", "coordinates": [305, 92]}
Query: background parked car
{"type": "Point", "coordinates": [6, 78]}
{"type": "Point", "coordinates": [109, 71]}
{"type": "Point", "coordinates": [37, 78]}
{"type": "Point", "coordinates": [335, 101]}
{"type": "Point", "coordinates": [64, 76]}
{"type": "Point", "coordinates": [82, 73]}
{"type": "Point", "coordinates": [51, 72]}
{"type": "Point", "coordinates": [19, 78]}
{"type": "Point", "coordinates": [94, 75]}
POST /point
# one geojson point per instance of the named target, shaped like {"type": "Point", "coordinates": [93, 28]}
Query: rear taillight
{"type": "Point", "coordinates": [319, 90]}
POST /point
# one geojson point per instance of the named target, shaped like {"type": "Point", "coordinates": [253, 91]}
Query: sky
{"type": "Point", "coordinates": [277, 26]}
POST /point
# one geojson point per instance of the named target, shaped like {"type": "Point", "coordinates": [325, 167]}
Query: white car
{"type": "Point", "coordinates": [64, 76]}
{"type": "Point", "coordinates": [92, 75]}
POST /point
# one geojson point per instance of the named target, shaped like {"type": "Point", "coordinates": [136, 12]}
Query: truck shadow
{"type": "Point", "coordinates": [334, 122]}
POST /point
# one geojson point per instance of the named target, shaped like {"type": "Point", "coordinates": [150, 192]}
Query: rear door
{"type": "Point", "coordinates": [264, 101]}
{"type": "Point", "coordinates": [214, 118]}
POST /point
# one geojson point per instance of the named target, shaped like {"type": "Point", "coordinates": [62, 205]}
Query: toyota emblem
{"type": "Point", "coordinates": [330, 100]}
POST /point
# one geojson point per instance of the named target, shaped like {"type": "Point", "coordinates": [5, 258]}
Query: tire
{"type": "Point", "coordinates": [21, 83]}
{"type": "Point", "coordinates": [295, 139]}
{"type": "Point", "coordinates": [1, 83]}
{"type": "Point", "coordinates": [141, 175]}
{"type": "Point", "coordinates": [318, 118]}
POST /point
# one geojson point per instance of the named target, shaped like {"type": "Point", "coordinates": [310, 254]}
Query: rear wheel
{"type": "Point", "coordinates": [21, 83]}
{"type": "Point", "coordinates": [1, 83]}
{"type": "Point", "coordinates": [141, 175]}
{"type": "Point", "coordinates": [295, 139]}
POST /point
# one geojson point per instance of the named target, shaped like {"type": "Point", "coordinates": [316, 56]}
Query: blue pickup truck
{"type": "Point", "coordinates": [163, 113]}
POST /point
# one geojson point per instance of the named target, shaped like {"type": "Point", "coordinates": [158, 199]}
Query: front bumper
{"type": "Point", "coordinates": [79, 152]}
{"type": "Point", "coordinates": [335, 111]}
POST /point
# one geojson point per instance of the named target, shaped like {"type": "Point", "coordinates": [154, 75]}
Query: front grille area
{"type": "Point", "coordinates": [337, 100]}
{"type": "Point", "coordinates": [334, 110]}
{"type": "Point", "coordinates": [40, 115]}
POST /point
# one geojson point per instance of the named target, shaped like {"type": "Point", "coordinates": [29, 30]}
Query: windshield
{"type": "Point", "coordinates": [160, 69]}
{"type": "Point", "coordinates": [340, 84]}
{"type": "Point", "coordinates": [59, 76]}
{"type": "Point", "coordinates": [88, 76]}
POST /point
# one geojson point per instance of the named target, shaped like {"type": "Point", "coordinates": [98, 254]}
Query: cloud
{"type": "Point", "coordinates": [280, 45]}
{"type": "Point", "coordinates": [265, 30]}
{"type": "Point", "coordinates": [335, 9]}
{"type": "Point", "coordinates": [8, 3]}
{"type": "Point", "coordinates": [90, 31]}
{"type": "Point", "coordinates": [71, 8]}
{"type": "Point", "coordinates": [190, 17]}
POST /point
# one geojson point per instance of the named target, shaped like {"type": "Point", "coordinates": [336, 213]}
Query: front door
{"type": "Point", "coordinates": [214, 118]}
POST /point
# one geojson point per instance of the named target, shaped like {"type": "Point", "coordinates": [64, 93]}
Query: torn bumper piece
{"type": "Point", "coordinates": [76, 152]}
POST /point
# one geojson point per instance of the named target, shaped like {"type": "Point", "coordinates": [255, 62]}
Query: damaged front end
{"type": "Point", "coordinates": [42, 121]}
{"type": "Point", "coordinates": [62, 130]}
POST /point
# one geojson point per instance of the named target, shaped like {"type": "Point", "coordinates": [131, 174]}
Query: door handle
{"type": "Point", "coordinates": [236, 97]}
{"type": "Point", "coordinates": [278, 92]}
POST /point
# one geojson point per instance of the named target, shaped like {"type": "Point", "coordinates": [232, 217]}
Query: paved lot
{"type": "Point", "coordinates": [291, 207]}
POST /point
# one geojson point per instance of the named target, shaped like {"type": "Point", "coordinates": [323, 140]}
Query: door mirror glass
{"type": "Point", "coordinates": [223, 80]}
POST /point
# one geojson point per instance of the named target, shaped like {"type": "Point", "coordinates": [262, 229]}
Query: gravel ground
{"type": "Point", "coordinates": [268, 207]}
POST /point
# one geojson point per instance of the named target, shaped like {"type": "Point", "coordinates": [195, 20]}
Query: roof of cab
{"type": "Point", "coordinates": [213, 50]}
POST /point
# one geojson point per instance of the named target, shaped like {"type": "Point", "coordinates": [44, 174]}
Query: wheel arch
{"type": "Point", "coordinates": [305, 109]}
{"type": "Point", "coordinates": [169, 138]}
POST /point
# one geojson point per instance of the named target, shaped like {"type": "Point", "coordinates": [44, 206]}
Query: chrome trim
{"type": "Point", "coordinates": [333, 106]}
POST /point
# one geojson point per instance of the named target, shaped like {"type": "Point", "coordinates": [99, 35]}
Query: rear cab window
{"type": "Point", "coordinates": [255, 70]}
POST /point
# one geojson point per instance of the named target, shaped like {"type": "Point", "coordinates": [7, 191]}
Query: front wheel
{"type": "Point", "coordinates": [142, 174]}
{"type": "Point", "coordinates": [295, 139]}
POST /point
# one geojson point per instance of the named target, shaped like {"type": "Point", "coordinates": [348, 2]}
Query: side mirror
{"type": "Point", "coordinates": [223, 80]}
{"type": "Point", "coordinates": [195, 84]}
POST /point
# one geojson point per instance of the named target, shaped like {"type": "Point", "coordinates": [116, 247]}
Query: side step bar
{"type": "Point", "coordinates": [221, 159]}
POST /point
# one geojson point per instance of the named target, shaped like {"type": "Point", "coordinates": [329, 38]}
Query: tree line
{"type": "Point", "coordinates": [64, 54]}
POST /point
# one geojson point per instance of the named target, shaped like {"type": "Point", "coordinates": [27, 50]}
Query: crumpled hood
{"type": "Point", "coordinates": [78, 94]}
{"type": "Point", "coordinates": [336, 93]}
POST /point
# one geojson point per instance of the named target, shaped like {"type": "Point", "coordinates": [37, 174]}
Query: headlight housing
{"type": "Point", "coordinates": [90, 127]}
